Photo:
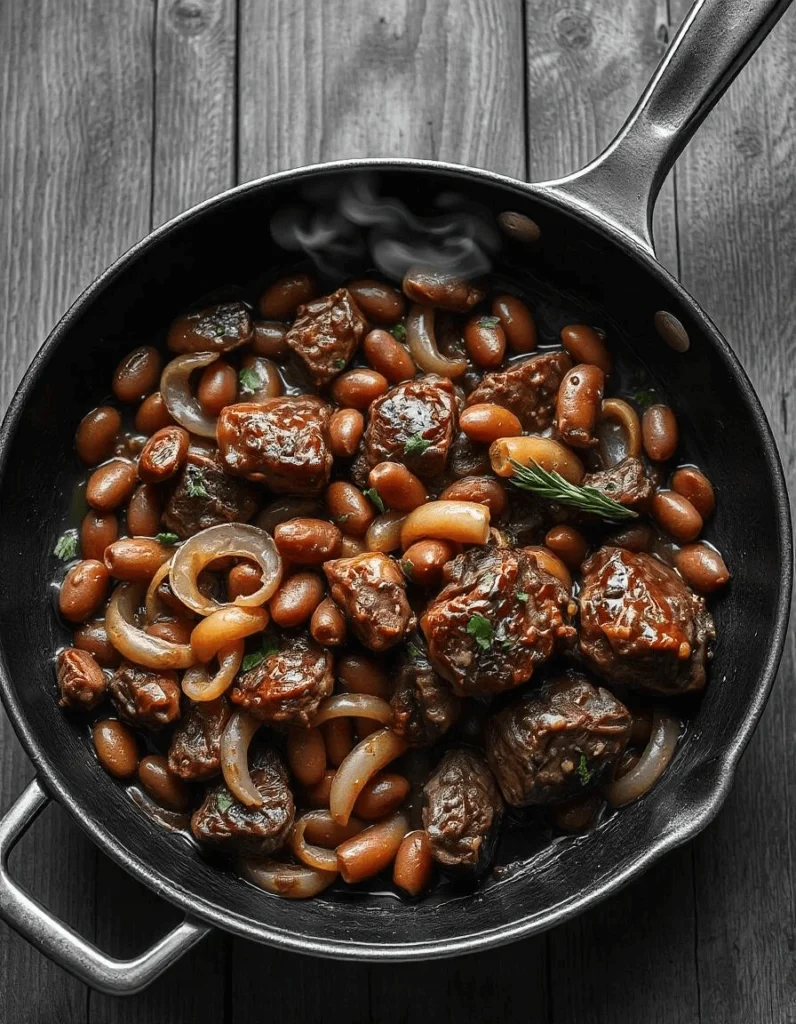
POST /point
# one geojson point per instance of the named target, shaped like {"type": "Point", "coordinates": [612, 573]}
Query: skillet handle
{"type": "Point", "coordinates": [59, 942]}
{"type": "Point", "coordinates": [714, 42]}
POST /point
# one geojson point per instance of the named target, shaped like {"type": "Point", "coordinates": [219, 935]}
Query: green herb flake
{"type": "Point", "coordinates": [224, 800]}
{"type": "Point", "coordinates": [583, 771]}
{"type": "Point", "coordinates": [339, 364]}
{"type": "Point", "coordinates": [343, 518]}
{"type": "Point", "coordinates": [488, 321]}
{"type": "Point", "coordinates": [268, 646]}
{"type": "Point", "coordinates": [554, 487]}
{"type": "Point", "coordinates": [415, 652]}
{"type": "Point", "coordinates": [521, 595]}
{"type": "Point", "coordinates": [481, 629]}
{"type": "Point", "coordinates": [167, 539]}
{"type": "Point", "coordinates": [416, 445]}
{"type": "Point", "coordinates": [195, 483]}
{"type": "Point", "coordinates": [66, 547]}
{"type": "Point", "coordinates": [644, 398]}
{"type": "Point", "coordinates": [249, 381]}
{"type": "Point", "coordinates": [408, 568]}
{"type": "Point", "coordinates": [398, 331]}
{"type": "Point", "coordinates": [373, 495]}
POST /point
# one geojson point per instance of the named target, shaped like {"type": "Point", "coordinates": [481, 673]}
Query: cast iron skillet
{"type": "Point", "coordinates": [595, 250]}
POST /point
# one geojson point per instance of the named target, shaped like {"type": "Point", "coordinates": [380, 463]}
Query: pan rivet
{"type": "Point", "coordinates": [672, 331]}
{"type": "Point", "coordinates": [517, 225]}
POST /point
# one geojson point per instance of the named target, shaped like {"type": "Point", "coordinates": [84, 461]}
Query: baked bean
{"type": "Point", "coordinates": [485, 341]}
{"type": "Point", "coordinates": [259, 379]}
{"type": "Point", "coordinates": [397, 486]}
{"type": "Point", "coordinates": [701, 567]}
{"type": "Point", "coordinates": [486, 423]}
{"type": "Point", "coordinates": [349, 508]}
{"type": "Point", "coordinates": [388, 356]}
{"type": "Point", "coordinates": [93, 637]}
{"type": "Point", "coordinates": [413, 863]}
{"type": "Point", "coordinates": [143, 512]}
{"type": "Point", "coordinates": [307, 541]}
{"type": "Point", "coordinates": [384, 533]}
{"type": "Point", "coordinates": [217, 388]}
{"type": "Point", "coordinates": [152, 415]}
{"type": "Point", "coordinates": [328, 625]}
{"type": "Point", "coordinates": [325, 831]}
{"type": "Point", "coordinates": [568, 544]}
{"type": "Point", "coordinates": [135, 559]}
{"type": "Point", "coordinates": [361, 674]}
{"type": "Point", "coordinates": [96, 435]}
{"type": "Point", "coordinates": [281, 299]}
{"type": "Point", "coordinates": [462, 522]}
{"type": "Point", "coordinates": [116, 748]}
{"type": "Point", "coordinates": [483, 489]}
{"type": "Point", "coordinates": [296, 599]}
{"type": "Point", "coordinates": [111, 485]}
{"type": "Point", "coordinates": [269, 339]}
{"type": "Point", "coordinates": [578, 404]}
{"type": "Point", "coordinates": [243, 579]}
{"type": "Point", "coordinates": [137, 374]}
{"type": "Point", "coordinates": [585, 345]}
{"type": "Point", "coordinates": [287, 508]}
{"type": "Point", "coordinates": [163, 454]}
{"type": "Point", "coordinates": [517, 322]}
{"type": "Point", "coordinates": [383, 795]}
{"type": "Point", "coordinates": [695, 486]}
{"type": "Point", "coordinates": [634, 538]}
{"type": "Point", "coordinates": [306, 755]}
{"type": "Point", "coordinates": [676, 515]}
{"type": "Point", "coordinates": [317, 796]}
{"type": "Point", "coordinates": [176, 631]}
{"type": "Point", "coordinates": [83, 590]}
{"type": "Point", "coordinates": [97, 531]}
{"type": "Point", "coordinates": [224, 627]}
{"type": "Point", "coordinates": [345, 432]}
{"type": "Point", "coordinates": [371, 851]}
{"type": "Point", "coordinates": [424, 561]}
{"type": "Point", "coordinates": [339, 737]}
{"type": "Point", "coordinates": [625, 415]}
{"type": "Point", "coordinates": [550, 563]}
{"type": "Point", "coordinates": [165, 789]}
{"type": "Point", "coordinates": [358, 388]}
{"type": "Point", "coordinates": [351, 546]}
{"type": "Point", "coordinates": [380, 303]}
{"type": "Point", "coordinates": [544, 451]}
{"type": "Point", "coordinates": [659, 432]}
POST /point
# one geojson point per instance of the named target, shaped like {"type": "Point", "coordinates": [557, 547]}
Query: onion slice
{"type": "Point", "coordinates": [153, 604]}
{"type": "Point", "coordinates": [239, 540]}
{"type": "Point", "coordinates": [235, 741]}
{"type": "Point", "coordinates": [319, 856]}
{"type": "Point", "coordinates": [367, 758]}
{"type": "Point", "coordinates": [652, 763]}
{"type": "Point", "coordinates": [133, 643]}
{"type": "Point", "coordinates": [292, 881]}
{"type": "Point", "coordinates": [197, 683]}
{"type": "Point", "coordinates": [176, 390]}
{"type": "Point", "coordinates": [423, 344]}
{"type": "Point", "coordinates": [353, 705]}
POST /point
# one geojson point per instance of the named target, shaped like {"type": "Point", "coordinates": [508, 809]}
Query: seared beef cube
{"type": "Point", "coordinates": [232, 827]}
{"type": "Point", "coordinates": [81, 682]}
{"type": "Point", "coordinates": [528, 389]}
{"type": "Point", "coordinates": [326, 334]}
{"type": "Point", "coordinates": [206, 496]}
{"type": "Point", "coordinates": [444, 291]}
{"type": "Point", "coordinates": [194, 753]}
{"type": "Point", "coordinates": [215, 329]}
{"type": "Point", "coordinates": [282, 441]}
{"type": "Point", "coordinates": [424, 708]}
{"type": "Point", "coordinates": [288, 684]}
{"type": "Point", "coordinates": [499, 616]}
{"type": "Point", "coordinates": [462, 809]}
{"type": "Point", "coordinates": [557, 744]}
{"type": "Point", "coordinates": [370, 589]}
{"type": "Point", "coordinates": [413, 423]}
{"type": "Point", "coordinates": [468, 458]}
{"type": "Point", "coordinates": [626, 483]}
{"type": "Point", "coordinates": [640, 624]}
{"type": "Point", "coordinates": [145, 697]}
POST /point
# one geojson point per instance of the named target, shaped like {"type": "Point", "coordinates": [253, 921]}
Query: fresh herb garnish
{"type": "Point", "coordinates": [398, 331]}
{"type": "Point", "coordinates": [252, 660]}
{"type": "Point", "coordinates": [481, 629]}
{"type": "Point", "coordinates": [343, 518]}
{"type": "Point", "coordinates": [416, 445]}
{"type": "Point", "coordinates": [224, 800]}
{"type": "Point", "coordinates": [644, 398]}
{"type": "Point", "coordinates": [339, 364]}
{"type": "Point", "coordinates": [521, 595]}
{"type": "Point", "coordinates": [583, 771]}
{"type": "Point", "coordinates": [488, 321]}
{"type": "Point", "coordinates": [554, 487]}
{"type": "Point", "coordinates": [66, 547]}
{"type": "Point", "coordinates": [373, 495]}
{"type": "Point", "coordinates": [167, 539]}
{"type": "Point", "coordinates": [195, 483]}
{"type": "Point", "coordinates": [249, 381]}
{"type": "Point", "coordinates": [408, 568]}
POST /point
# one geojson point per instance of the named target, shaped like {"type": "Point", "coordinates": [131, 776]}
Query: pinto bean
{"type": "Point", "coordinates": [634, 538]}
{"type": "Point", "coordinates": [281, 299]}
{"type": "Point", "coordinates": [93, 637]}
{"type": "Point", "coordinates": [306, 755]}
{"type": "Point", "coordinates": [384, 533]}
{"type": "Point", "coordinates": [163, 454]}
{"type": "Point", "coordinates": [110, 485]}
{"type": "Point", "coordinates": [578, 404]}
{"type": "Point", "coordinates": [676, 515]}
{"type": "Point", "coordinates": [317, 796]}
{"type": "Point", "coordinates": [176, 631]}
{"type": "Point", "coordinates": [413, 863]}
{"type": "Point", "coordinates": [424, 561]}
{"type": "Point", "coordinates": [361, 674]}
{"type": "Point", "coordinates": [328, 625]}
{"type": "Point", "coordinates": [83, 590]}
{"type": "Point", "coordinates": [486, 423]}
{"type": "Point", "coordinates": [143, 512]}
{"type": "Point", "coordinates": [701, 567]}
{"type": "Point", "coordinates": [259, 379]}
{"type": "Point", "coordinates": [287, 508]}
{"type": "Point", "coordinates": [380, 303]}
{"type": "Point", "coordinates": [349, 508]}
{"type": "Point", "coordinates": [695, 486]}
{"type": "Point", "coordinates": [517, 322]}
{"type": "Point", "coordinates": [296, 599]}
{"type": "Point", "coordinates": [97, 531]}
{"type": "Point", "coordinates": [165, 789]}
{"type": "Point", "coordinates": [217, 388]}
{"type": "Point", "coordinates": [585, 345]}
{"type": "Point", "coordinates": [137, 374]}
{"type": "Point", "coordinates": [372, 850]}
{"type": "Point", "coordinates": [397, 486]}
{"type": "Point", "coordinates": [568, 544]}
{"type": "Point", "coordinates": [345, 432]}
{"type": "Point", "coordinates": [383, 795]}
{"type": "Point", "coordinates": [484, 489]}
{"type": "Point", "coordinates": [135, 559]}
{"type": "Point", "coordinates": [550, 563]}
{"type": "Point", "coordinates": [152, 415]}
{"type": "Point", "coordinates": [269, 340]}
{"type": "Point", "coordinates": [388, 356]}
{"type": "Point", "coordinates": [358, 388]}
{"type": "Point", "coordinates": [352, 546]}
{"type": "Point", "coordinates": [485, 341]}
{"type": "Point", "coordinates": [659, 432]}
{"type": "Point", "coordinates": [307, 541]}
{"type": "Point", "coordinates": [96, 435]}
{"type": "Point", "coordinates": [243, 579]}
{"type": "Point", "coordinates": [116, 748]}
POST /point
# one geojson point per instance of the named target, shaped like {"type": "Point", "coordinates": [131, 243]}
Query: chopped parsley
{"type": "Point", "coordinates": [224, 800]}
{"type": "Point", "coordinates": [249, 381]}
{"type": "Point", "coordinates": [521, 595]}
{"type": "Point", "coordinates": [339, 364]}
{"type": "Point", "coordinates": [481, 629]}
{"type": "Point", "coordinates": [398, 331]}
{"type": "Point", "coordinates": [66, 547]}
{"type": "Point", "coordinates": [169, 539]}
{"type": "Point", "coordinates": [195, 483]}
{"type": "Point", "coordinates": [416, 445]}
{"type": "Point", "coordinates": [583, 771]}
{"type": "Point", "coordinates": [408, 568]}
{"type": "Point", "coordinates": [253, 660]}
{"type": "Point", "coordinates": [644, 398]}
{"type": "Point", "coordinates": [488, 321]}
{"type": "Point", "coordinates": [373, 495]}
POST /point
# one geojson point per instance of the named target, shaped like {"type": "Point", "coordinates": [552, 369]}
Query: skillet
{"type": "Point", "coordinates": [594, 256]}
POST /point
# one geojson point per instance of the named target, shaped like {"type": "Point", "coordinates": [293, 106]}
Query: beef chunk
{"type": "Point", "coordinates": [288, 684]}
{"type": "Point", "coordinates": [560, 742]}
{"type": "Point", "coordinates": [468, 458]}
{"type": "Point", "coordinates": [626, 483]}
{"type": "Point", "coordinates": [413, 423]}
{"type": "Point", "coordinates": [194, 753]}
{"type": "Point", "coordinates": [206, 496]}
{"type": "Point", "coordinates": [81, 682]}
{"type": "Point", "coordinates": [225, 823]}
{"type": "Point", "coordinates": [327, 332]}
{"type": "Point", "coordinates": [370, 589]}
{"type": "Point", "coordinates": [499, 616]}
{"type": "Point", "coordinates": [215, 329]}
{"type": "Point", "coordinates": [282, 441]}
{"type": "Point", "coordinates": [145, 697]}
{"type": "Point", "coordinates": [640, 624]}
{"type": "Point", "coordinates": [434, 288]}
{"type": "Point", "coordinates": [424, 708]}
{"type": "Point", "coordinates": [528, 389]}
{"type": "Point", "coordinates": [462, 809]}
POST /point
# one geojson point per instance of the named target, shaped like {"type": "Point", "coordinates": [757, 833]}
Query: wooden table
{"type": "Point", "coordinates": [118, 114]}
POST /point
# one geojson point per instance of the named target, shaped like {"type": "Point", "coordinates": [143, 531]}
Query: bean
{"type": "Point", "coordinates": [388, 356]}
{"type": "Point", "coordinates": [695, 486]}
{"type": "Point", "coordinates": [485, 341]}
{"type": "Point", "coordinates": [93, 637]}
{"type": "Point", "coordinates": [578, 404]}
{"type": "Point", "coordinates": [397, 486]}
{"type": "Point", "coordinates": [217, 388]}
{"type": "Point", "coordinates": [345, 432]}
{"type": "Point", "coordinates": [163, 454]}
{"type": "Point", "coordinates": [306, 755]}
{"type": "Point", "coordinates": [371, 851]}
{"type": "Point", "coordinates": [307, 541]}
{"type": "Point", "coordinates": [83, 590]}
{"type": "Point", "coordinates": [327, 833]}
{"type": "Point", "coordinates": [634, 538]}
{"type": "Point", "coordinates": [137, 374]}
{"type": "Point", "coordinates": [349, 508]}
{"type": "Point", "coordinates": [676, 515]}
{"type": "Point", "coordinates": [224, 627]}
{"type": "Point", "coordinates": [384, 533]}
{"type": "Point", "coordinates": [517, 322]}
{"type": "Point", "coordinates": [544, 451]}
{"type": "Point", "coordinates": [568, 544]}
{"type": "Point", "coordinates": [702, 567]}
{"type": "Point", "coordinates": [625, 415]}
{"type": "Point", "coordinates": [143, 512]}
{"type": "Point", "coordinates": [483, 489]}
{"type": "Point", "coordinates": [96, 435]}
{"type": "Point", "coordinates": [281, 299]}
{"type": "Point", "coordinates": [380, 303]}
{"type": "Point", "coordinates": [269, 340]}
{"type": "Point", "coordinates": [317, 796]}
{"type": "Point", "coordinates": [97, 531]}
{"type": "Point", "coordinates": [165, 789]}
{"type": "Point", "coordinates": [176, 631]}
{"type": "Point", "coordinates": [296, 599]}
{"type": "Point", "coordinates": [413, 863]}
{"type": "Point", "coordinates": [135, 559]}
{"type": "Point", "coordinates": [550, 563]}
{"type": "Point", "coordinates": [352, 546]}
{"type": "Point", "coordinates": [339, 737]}
{"type": "Point", "coordinates": [111, 485]}
{"type": "Point", "coordinates": [360, 674]}
{"type": "Point", "coordinates": [264, 372]}
{"type": "Point", "coordinates": [462, 522]}
{"type": "Point", "coordinates": [424, 561]}
{"type": "Point", "coordinates": [287, 508]}
{"type": "Point", "coordinates": [659, 432]}
{"type": "Point", "coordinates": [152, 415]}
{"type": "Point", "coordinates": [585, 345]}
{"type": "Point", "coordinates": [358, 388]}
{"type": "Point", "coordinates": [116, 748]}
{"type": "Point", "coordinates": [486, 423]}
{"type": "Point", "coordinates": [243, 579]}
{"type": "Point", "coordinates": [328, 625]}
{"type": "Point", "coordinates": [383, 795]}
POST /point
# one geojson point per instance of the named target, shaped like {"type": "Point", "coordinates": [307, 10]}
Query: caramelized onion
{"type": "Point", "coordinates": [356, 705]}
{"type": "Point", "coordinates": [292, 881]}
{"type": "Point", "coordinates": [652, 763]}
{"type": "Point", "coordinates": [367, 758]}
{"type": "Point", "coordinates": [618, 411]}
{"type": "Point", "coordinates": [199, 685]}
{"type": "Point", "coordinates": [423, 344]}
{"type": "Point", "coordinates": [152, 603]}
{"type": "Point", "coordinates": [235, 741]}
{"type": "Point", "coordinates": [176, 390]}
{"type": "Point", "coordinates": [238, 540]}
{"type": "Point", "coordinates": [318, 856]}
{"type": "Point", "coordinates": [133, 643]}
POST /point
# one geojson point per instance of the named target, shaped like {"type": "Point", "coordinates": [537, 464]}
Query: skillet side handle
{"type": "Point", "coordinates": [59, 942]}
{"type": "Point", "coordinates": [714, 42]}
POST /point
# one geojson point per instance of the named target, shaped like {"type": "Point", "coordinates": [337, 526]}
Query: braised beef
{"type": "Point", "coordinates": [423, 705]}
{"type": "Point", "coordinates": [81, 682]}
{"type": "Point", "coordinates": [288, 684]}
{"type": "Point", "coordinates": [144, 697]}
{"type": "Point", "coordinates": [215, 329]}
{"type": "Point", "coordinates": [195, 747]}
{"type": "Point", "coordinates": [206, 496]}
{"type": "Point", "coordinates": [626, 483]}
{"type": "Point", "coordinates": [528, 389]}
{"type": "Point", "coordinates": [468, 458]}
{"type": "Point", "coordinates": [370, 589]}
{"type": "Point", "coordinates": [326, 334]}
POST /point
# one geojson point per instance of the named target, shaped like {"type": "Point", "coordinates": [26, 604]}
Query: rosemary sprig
{"type": "Point", "coordinates": [554, 487]}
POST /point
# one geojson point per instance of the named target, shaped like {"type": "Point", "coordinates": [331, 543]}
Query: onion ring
{"type": "Point", "coordinates": [153, 604]}
{"type": "Point", "coordinates": [650, 766]}
{"type": "Point", "coordinates": [234, 752]}
{"type": "Point", "coordinates": [197, 683]}
{"type": "Point", "coordinates": [367, 758]}
{"type": "Point", "coordinates": [177, 395]}
{"type": "Point", "coordinates": [353, 705]}
{"type": "Point", "coordinates": [315, 856]}
{"type": "Point", "coordinates": [292, 881]}
{"type": "Point", "coordinates": [423, 344]}
{"type": "Point", "coordinates": [133, 643]}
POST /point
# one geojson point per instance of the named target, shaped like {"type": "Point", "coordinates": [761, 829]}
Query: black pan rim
{"type": "Point", "coordinates": [684, 824]}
